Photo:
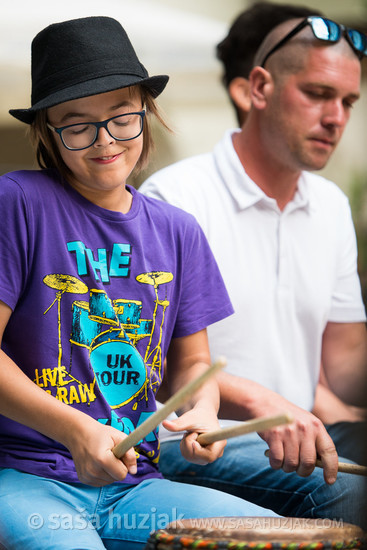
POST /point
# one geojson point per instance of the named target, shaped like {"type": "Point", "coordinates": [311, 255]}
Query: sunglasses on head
{"type": "Point", "coordinates": [327, 31]}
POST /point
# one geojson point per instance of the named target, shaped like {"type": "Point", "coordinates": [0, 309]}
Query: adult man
{"type": "Point", "coordinates": [285, 243]}
{"type": "Point", "coordinates": [237, 52]}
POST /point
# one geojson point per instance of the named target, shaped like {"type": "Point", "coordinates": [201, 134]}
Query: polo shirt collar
{"type": "Point", "coordinates": [244, 191]}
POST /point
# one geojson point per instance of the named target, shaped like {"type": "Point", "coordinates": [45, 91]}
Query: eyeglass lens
{"type": "Point", "coordinates": [325, 29]}
{"type": "Point", "coordinates": [124, 127]}
{"type": "Point", "coordinates": [359, 40]}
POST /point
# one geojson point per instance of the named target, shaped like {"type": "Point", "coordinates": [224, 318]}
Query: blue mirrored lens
{"type": "Point", "coordinates": [324, 29]}
{"type": "Point", "coordinates": [358, 40]}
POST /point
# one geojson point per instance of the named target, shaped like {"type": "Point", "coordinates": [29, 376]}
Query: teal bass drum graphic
{"type": "Point", "coordinates": [119, 368]}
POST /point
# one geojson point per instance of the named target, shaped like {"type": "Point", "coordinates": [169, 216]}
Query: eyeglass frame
{"type": "Point", "coordinates": [307, 21]}
{"type": "Point", "coordinates": [98, 126]}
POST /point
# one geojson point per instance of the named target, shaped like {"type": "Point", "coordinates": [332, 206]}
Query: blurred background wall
{"type": "Point", "coordinates": [176, 38]}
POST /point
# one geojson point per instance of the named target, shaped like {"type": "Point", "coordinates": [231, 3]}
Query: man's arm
{"type": "Point", "coordinates": [331, 409]}
{"type": "Point", "coordinates": [293, 447]}
{"type": "Point", "coordinates": [344, 359]}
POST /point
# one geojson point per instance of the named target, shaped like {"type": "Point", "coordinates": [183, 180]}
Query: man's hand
{"type": "Point", "coordinates": [296, 446]}
{"type": "Point", "coordinates": [293, 447]}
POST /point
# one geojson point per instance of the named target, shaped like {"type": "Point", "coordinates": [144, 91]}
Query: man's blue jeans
{"type": "Point", "coordinates": [350, 439]}
{"type": "Point", "coordinates": [244, 471]}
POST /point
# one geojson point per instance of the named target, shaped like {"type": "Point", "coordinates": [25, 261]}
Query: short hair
{"type": "Point", "coordinates": [238, 49]}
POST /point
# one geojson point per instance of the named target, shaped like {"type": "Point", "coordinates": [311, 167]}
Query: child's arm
{"type": "Point", "coordinates": [187, 358]}
{"type": "Point", "coordinates": [89, 442]}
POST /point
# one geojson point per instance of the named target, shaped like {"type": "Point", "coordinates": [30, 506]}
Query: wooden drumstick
{"type": "Point", "coordinates": [171, 405]}
{"type": "Point", "coordinates": [344, 467]}
{"type": "Point", "coordinates": [255, 425]}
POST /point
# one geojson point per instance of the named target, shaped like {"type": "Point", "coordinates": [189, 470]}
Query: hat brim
{"type": "Point", "coordinates": [155, 85]}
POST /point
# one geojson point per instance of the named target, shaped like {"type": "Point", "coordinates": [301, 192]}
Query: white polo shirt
{"type": "Point", "coordinates": [287, 272]}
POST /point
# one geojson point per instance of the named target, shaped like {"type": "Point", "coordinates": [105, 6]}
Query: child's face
{"type": "Point", "coordinates": [102, 169]}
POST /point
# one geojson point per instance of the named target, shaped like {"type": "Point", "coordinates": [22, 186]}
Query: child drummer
{"type": "Point", "coordinates": [98, 285]}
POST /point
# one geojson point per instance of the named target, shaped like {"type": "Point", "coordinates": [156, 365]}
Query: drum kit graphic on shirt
{"type": "Point", "coordinates": [111, 330]}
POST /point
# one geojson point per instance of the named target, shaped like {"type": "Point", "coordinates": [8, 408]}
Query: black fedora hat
{"type": "Point", "coordinates": [83, 57]}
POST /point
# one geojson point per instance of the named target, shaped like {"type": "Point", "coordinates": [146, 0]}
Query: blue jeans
{"type": "Point", "coordinates": [244, 471]}
{"type": "Point", "coordinates": [42, 514]}
{"type": "Point", "coordinates": [350, 440]}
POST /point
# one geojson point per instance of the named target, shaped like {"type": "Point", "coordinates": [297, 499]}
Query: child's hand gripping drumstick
{"type": "Point", "coordinates": [173, 403]}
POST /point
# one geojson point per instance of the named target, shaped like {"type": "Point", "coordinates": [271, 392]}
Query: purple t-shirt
{"type": "Point", "coordinates": [96, 297]}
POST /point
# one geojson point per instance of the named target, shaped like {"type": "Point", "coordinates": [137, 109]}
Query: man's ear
{"type": "Point", "coordinates": [261, 86]}
{"type": "Point", "coordinates": [239, 91]}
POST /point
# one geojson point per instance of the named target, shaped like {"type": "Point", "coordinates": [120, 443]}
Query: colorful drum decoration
{"type": "Point", "coordinates": [142, 331]}
{"type": "Point", "coordinates": [83, 329]}
{"type": "Point", "coordinates": [128, 312]}
{"type": "Point", "coordinates": [101, 308]}
{"type": "Point", "coordinates": [258, 533]}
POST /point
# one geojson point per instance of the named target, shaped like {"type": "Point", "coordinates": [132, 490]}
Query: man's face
{"type": "Point", "coordinates": [308, 111]}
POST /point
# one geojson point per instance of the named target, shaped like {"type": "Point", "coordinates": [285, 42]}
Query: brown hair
{"type": "Point", "coordinates": [48, 155]}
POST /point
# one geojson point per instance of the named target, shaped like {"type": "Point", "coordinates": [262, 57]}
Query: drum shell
{"type": "Point", "coordinates": [144, 329]}
{"type": "Point", "coordinates": [128, 312]}
{"type": "Point", "coordinates": [101, 309]}
{"type": "Point", "coordinates": [84, 329]}
{"type": "Point", "coordinates": [258, 533]}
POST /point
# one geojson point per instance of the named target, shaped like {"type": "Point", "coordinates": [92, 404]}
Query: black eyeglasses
{"type": "Point", "coordinates": [328, 31]}
{"type": "Point", "coordinates": [77, 137]}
